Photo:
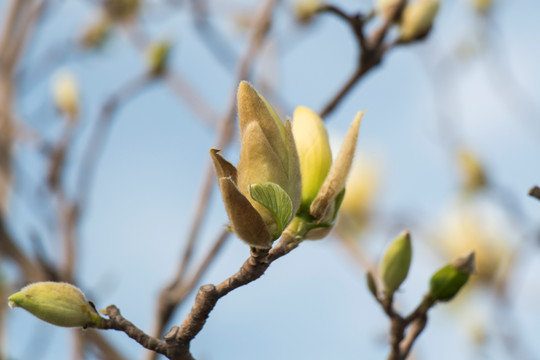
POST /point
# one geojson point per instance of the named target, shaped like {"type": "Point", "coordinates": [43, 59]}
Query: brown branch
{"type": "Point", "coordinates": [106, 351]}
{"type": "Point", "coordinates": [401, 339]}
{"type": "Point", "coordinates": [371, 49]}
{"type": "Point", "coordinates": [535, 192]}
{"type": "Point", "coordinates": [208, 295]}
{"type": "Point", "coordinates": [117, 322]}
{"type": "Point", "coordinates": [223, 138]}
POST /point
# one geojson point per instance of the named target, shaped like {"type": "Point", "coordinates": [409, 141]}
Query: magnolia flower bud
{"type": "Point", "coordinates": [472, 172]}
{"type": "Point", "coordinates": [305, 10]}
{"type": "Point", "coordinates": [66, 94]}
{"type": "Point", "coordinates": [96, 33]}
{"type": "Point", "coordinates": [314, 152]}
{"type": "Point", "coordinates": [57, 303]}
{"type": "Point", "coordinates": [448, 280]}
{"type": "Point", "coordinates": [395, 264]}
{"type": "Point", "coordinates": [417, 19]}
{"type": "Point", "coordinates": [262, 196]}
{"type": "Point", "coordinates": [482, 6]}
{"type": "Point", "coordinates": [157, 55]}
{"type": "Point", "coordinates": [122, 10]}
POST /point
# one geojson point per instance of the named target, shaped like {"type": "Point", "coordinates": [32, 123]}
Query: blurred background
{"type": "Point", "coordinates": [108, 111]}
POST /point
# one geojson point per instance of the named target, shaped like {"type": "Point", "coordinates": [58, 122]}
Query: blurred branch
{"type": "Point", "coordinates": [100, 132]}
{"type": "Point", "coordinates": [371, 49]}
{"type": "Point", "coordinates": [224, 133]}
{"type": "Point", "coordinates": [535, 192]}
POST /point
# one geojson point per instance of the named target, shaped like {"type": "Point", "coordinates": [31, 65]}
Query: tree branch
{"type": "Point", "coordinates": [535, 192]}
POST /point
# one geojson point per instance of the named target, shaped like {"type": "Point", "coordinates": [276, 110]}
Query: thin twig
{"type": "Point", "coordinates": [99, 135]}
{"type": "Point", "coordinates": [371, 50]}
{"type": "Point", "coordinates": [117, 322]}
{"type": "Point", "coordinates": [535, 192]}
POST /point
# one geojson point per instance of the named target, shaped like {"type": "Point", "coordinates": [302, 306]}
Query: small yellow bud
{"type": "Point", "coordinates": [305, 10]}
{"type": "Point", "coordinates": [66, 94]}
{"type": "Point", "coordinates": [417, 19]}
{"type": "Point", "coordinates": [472, 172]}
{"type": "Point", "coordinates": [57, 303]}
{"type": "Point", "coordinates": [482, 6]}
{"type": "Point", "coordinates": [314, 152]}
{"type": "Point", "coordinates": [395, 263]}
{"type": "Point", "coordinates": [157, 55]}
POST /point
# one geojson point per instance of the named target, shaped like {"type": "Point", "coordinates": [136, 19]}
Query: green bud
{"type": "Point", "coordinates": [65, 92]}
{"type": "Point", "coordinates": [157, 56]}
{"type": "Point", "coordinates": [448, 280]}
{"type": "Point", "coordinates": [395, 264]}
{"type": "Point", "coordinates": [372, 285]}
{"type": "Point", "coordinates": [57, 303]}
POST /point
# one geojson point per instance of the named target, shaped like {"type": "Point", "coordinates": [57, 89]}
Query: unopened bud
{"type": "Point", "coordinates": [57, 303]}
{"type": "Point", "coordinates": [448, 280]}
{"type": "Point", "coordinates": [305, 10]}
{"type": "Point", "coordinates": [66, 94]}
{"type": "Point", "coordinates": [395, 264]}
{"type": "Point", "coordinates": [474, 176]}
{"type": "Point", "coordinates": [417, 19]}
{"type": "Point", "coordinates": [157, 56]}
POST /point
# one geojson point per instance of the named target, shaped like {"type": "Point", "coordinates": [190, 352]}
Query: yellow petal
{"type": "Point", "coordinates": [313, 149]}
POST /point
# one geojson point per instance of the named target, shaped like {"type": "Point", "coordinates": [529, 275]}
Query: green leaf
{"type": "Point", "coordinates": [276, 200]}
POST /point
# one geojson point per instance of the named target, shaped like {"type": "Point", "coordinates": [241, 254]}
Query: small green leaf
{"type": "Point", "coordinates": [276, 200]}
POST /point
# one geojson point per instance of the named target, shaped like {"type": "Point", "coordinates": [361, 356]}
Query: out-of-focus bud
{"type": "Point", "coordinates": [96, 33]}
{"type": "Point", "coordinates": [395, 263]}
{"type": "Point", "coordinates": [362, 188]}
{"type": "Point", "coordinates": [57, 303]}
{"type": "Point", "coordinates": [417, 19]}
{"type": "Point", "coordinates": [314, 152]}
{"type": "Point", "coordinates": [66, 94]}
{"type": "Point", "coordinates": [305, 10]}
{"type": "Point", "coordinates": [481, 6]}
{"type": "Point", "coordinates": [324, 206]}
{"type": "Point", "coordinates": [262, 196]}
{"type": "Point", "coordinates": [121, 10]}
{"type": "Point", "coordinates": [448, 280]}
{"type": "Point", "coordinates": [157, 56]}
{"type": "Point", "coordinates": [485, 228]}
{"type": "Point", "coordinates": [473, 175]}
